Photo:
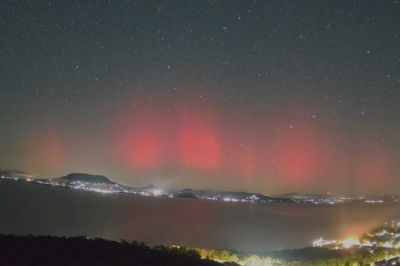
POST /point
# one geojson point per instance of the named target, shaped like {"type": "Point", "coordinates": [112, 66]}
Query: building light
{"type": "Point", "coordinates": [350, 242]}
{"type": "Point", "coordinates": [157, 192]}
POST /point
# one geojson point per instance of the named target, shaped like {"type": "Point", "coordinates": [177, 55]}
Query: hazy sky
{"type": "Point", "coordinates": [267, 96]}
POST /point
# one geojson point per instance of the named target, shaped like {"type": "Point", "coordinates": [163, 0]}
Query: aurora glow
{"type": "Point", "coordinates": [257, 96]}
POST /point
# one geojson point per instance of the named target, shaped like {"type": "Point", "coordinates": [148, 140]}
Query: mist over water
{"type": "Point", "coordinates": [44, 210]}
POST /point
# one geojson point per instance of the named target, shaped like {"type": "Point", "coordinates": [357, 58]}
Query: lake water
{"type": "Point", "coordinates": [37, 209]}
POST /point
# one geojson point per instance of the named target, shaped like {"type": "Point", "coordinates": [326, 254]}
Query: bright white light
{"type": "Point", "coordinates": [388, 244]}
{"type": "Point", "coordinates": [157, 192]}
{"type": "Point", "coordinates": [350, 242]}
{"type": "Point", "coordinates": [323, 242]}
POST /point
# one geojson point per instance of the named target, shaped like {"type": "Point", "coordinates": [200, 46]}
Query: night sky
{"type": "Point", "coordinates": [266, 96]}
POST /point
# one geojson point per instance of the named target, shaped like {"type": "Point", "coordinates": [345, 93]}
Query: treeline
{"type": "Point", "coordinates": [303, 257]}
{"type": "Point", "coordinates": [80, 251]}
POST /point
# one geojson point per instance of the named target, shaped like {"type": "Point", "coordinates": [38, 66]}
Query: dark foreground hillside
{"type": "Point", "coordinates": [77, 251]}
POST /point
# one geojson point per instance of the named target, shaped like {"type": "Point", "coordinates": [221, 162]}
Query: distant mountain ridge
{"type": "Point", "coordinates": [210, 193]}
{"type": "Point", "coordinates": [15, 172]}
{"type": "Point", "coordinates": [86, 178]}
{"type": "Point", "coordinates": [100, 183]}
{"type": "Point", "coordinates": [304, 196]}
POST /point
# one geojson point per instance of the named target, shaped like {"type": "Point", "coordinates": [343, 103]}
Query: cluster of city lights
{"type": "Point", "coordinates": [112, 187]}
{"type": "Point", "coordinates": [383, 237]}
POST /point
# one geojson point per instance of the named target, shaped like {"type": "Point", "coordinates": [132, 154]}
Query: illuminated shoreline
{"type": "Point", "coordinates": [228, 197]}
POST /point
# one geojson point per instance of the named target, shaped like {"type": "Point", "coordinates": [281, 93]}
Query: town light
{"type": "Point", "coordinates": [350, 242]}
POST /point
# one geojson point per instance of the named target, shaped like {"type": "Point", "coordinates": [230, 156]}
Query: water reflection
{"type": "Point", "coordinates": [36, 209]}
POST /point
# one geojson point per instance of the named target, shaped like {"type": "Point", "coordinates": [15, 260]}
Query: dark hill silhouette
{"type": "Point", "coordinates": [79, 251]}
{"type": "Point", "coordinates": [87, 178]}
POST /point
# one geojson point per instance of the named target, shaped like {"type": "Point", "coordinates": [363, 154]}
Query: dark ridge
{"type": "Point", "coordinates": [80, 251]}
{"type": "Point", "coordinates": [87, 178]}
